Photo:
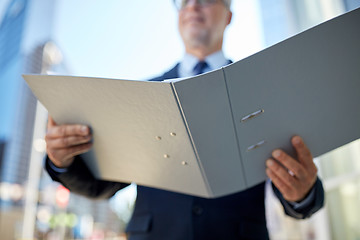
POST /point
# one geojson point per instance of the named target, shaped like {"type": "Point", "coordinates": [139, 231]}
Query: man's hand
{"type": "Point", "coordinates": [64, 142]}
{"type": "Point", "coordinates": [294, 178]}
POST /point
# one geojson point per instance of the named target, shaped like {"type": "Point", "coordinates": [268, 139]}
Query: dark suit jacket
{"type": "Point", "coordinates": [167, 215]}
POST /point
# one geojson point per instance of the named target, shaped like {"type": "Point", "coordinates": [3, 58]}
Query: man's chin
{"type": "Point", "coordinates": [195, 36]}
{"type": "Point", "coordinates": [195, 43]}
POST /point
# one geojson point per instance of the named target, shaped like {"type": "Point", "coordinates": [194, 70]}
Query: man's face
{"type": "Point", "coordinates": [203, 25]}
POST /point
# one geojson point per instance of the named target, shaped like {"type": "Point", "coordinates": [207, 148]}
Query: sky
{"type": "Point", "coordinates": [117, 38]}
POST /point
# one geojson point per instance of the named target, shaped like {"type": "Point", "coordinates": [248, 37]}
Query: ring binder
{"type": "Point", "coordinates": [198, 119]}
{"type": "Point", "coordinates": [252, 115]}
{"type": "Point", "coordinates": [252, 147]}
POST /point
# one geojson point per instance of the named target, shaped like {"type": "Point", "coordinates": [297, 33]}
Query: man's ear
{"type": "Point", "coordinates": [229, 17]}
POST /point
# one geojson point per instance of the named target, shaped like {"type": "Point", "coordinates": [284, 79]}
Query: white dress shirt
{"type": "Point", "coordinates": [214, 61]}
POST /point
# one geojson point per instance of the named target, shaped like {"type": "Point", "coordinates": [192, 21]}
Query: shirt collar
{"type": "Point", "coordinates": [214, 61]}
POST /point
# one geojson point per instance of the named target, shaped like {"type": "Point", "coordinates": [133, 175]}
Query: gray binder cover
{"type": "Point", "coordinates": [210, 135]}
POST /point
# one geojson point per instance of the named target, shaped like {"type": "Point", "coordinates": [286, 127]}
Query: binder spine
{"type": "Point", "coordinates": [234, 125]}
{"type": "Point", "coordinates": [209, 190]}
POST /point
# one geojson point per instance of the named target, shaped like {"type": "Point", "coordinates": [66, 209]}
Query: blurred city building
{"type": "Point", "coordinates": [11, 34]}
{"type": "Point", "coordinates": [32, 205]}
{"type": "Point", "coordinates": [2, 146]}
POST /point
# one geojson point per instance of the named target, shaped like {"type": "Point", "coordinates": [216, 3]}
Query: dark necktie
{"type": "Point", "coordinates": [200, 67]}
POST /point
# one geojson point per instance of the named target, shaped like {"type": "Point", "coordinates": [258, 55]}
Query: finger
{"type": "Point", "coordinates": [290, 163]}
{"type": "Point", "coordinates": [67, 131]}
{"type": "Point", "coordinates": [303, 153]}
{"type": "Point", "coordinates": [77, 150]}
{"type": "Point", "coordinates": [279, 184]}
{"type": "Point", "coordinates": [67, 141]}
{"type": "Point", "coordinates": [61, 156]}
{"type": "Point", "coordinates": [282, 174]}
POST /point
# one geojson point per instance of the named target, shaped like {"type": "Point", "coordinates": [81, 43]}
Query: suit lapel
{"type": "Point", "coordinates": [172, 73]}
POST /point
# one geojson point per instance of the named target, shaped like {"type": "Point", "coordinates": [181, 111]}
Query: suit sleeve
{"type": "Point", "coordinates": [78, 179]}
{"type": "Point", "coordinates": [307, 211]}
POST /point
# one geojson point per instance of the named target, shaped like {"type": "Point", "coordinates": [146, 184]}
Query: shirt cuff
{"type": "Point", "coordinates": [305, 202]}
{"type": "Point", "coordinates": [57, 169]}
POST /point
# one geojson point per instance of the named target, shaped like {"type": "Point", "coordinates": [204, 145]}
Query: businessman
{"type": "Point", "coordinates": [160, 214]}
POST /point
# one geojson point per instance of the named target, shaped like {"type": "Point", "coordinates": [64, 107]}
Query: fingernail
{"type": "Point", "coordinates": [276, 153]}
{"type": "Point", "coordinates": [296, 140]}
{"type": "Point", "coordinates": [84, 129]}
{"type": "Point", "coordinates": [269, 162]}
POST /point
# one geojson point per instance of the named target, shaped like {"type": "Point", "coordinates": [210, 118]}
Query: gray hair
{"type": "Point", "coordinates": [227, 3]}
